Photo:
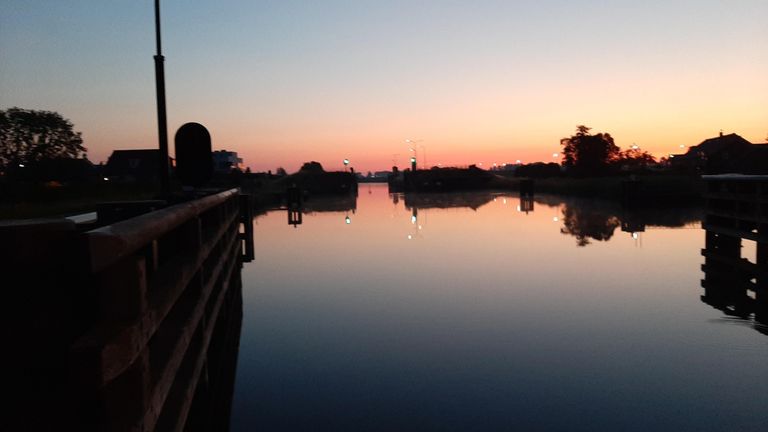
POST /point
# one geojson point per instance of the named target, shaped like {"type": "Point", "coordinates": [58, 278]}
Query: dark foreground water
{"type": "Point", "coordinates": [470, 314]}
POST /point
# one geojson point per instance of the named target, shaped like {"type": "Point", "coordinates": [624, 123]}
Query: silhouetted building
{"type": "Point", "coordinates": [225, 161]}
{"type": "Point", "coordinates": [753, 161]}
{"type": "Point", "coordinates": [139, 166]}
{"type": "Point", "coordinates": [721, 154]}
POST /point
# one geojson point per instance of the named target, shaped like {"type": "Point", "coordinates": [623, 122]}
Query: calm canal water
{"type": "Point", "coordinates": [472, 314]}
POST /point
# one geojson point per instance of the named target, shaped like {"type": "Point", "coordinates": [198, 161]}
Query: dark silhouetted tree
{"type": "Point", "coordinates": [312, 167]}
{"type": "Point", "coordinates": [635, 158]}
{"type": "Point", "coordinates": [585, 154]}
{"type": "Point", "coordinates": [28, 136]}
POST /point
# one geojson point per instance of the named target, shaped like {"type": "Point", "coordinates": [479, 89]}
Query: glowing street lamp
{"type": "Point", "coordinates": [412, 147]}
{"type": "Point", "coordinates": [346, 163]}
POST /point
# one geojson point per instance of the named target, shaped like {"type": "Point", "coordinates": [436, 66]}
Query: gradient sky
{"type": "Point", "coordinates": [285, 82]}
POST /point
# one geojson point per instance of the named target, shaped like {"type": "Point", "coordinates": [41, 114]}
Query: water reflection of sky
{"type": "Point", "coordinates": [487, 318]}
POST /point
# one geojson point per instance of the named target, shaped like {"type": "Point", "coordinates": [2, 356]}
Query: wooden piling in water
{"type": "Point", "coordinates": [736, 210]}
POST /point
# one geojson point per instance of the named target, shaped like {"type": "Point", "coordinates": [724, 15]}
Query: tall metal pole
{"type": "Point", "coordinates": [162, 126]}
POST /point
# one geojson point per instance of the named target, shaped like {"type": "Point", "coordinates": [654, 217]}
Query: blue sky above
{"type": "Point", "coordinates": [283, 82]}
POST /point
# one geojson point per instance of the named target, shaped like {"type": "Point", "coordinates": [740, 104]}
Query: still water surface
{"type": "Point", "coordinates": [472, 314]}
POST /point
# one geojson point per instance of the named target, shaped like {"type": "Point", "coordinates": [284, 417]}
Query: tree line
{"type": "Point", "coordinates": [595, 154]}
{"type": "Point", "coordinates": [29, 137]}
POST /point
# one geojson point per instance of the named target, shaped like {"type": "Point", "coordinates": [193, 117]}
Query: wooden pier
{"type": "Point", "coordinates": [736, 210]}
{"type": "Point", "coordinates": [132, 326]}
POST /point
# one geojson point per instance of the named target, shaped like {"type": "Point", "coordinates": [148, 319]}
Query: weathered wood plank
{"type": "Point", "coordinates": [113, 242]}
{"type": "Point", "coordinates": [116, 345]}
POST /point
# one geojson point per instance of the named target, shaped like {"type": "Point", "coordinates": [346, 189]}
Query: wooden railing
{"type": "Point", "coordinates": [162, 284]}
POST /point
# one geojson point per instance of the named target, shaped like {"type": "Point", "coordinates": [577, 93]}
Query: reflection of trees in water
{"type": "Point", "coordinates": [597, 220]}
{"type": "Point", "coordinates": [585, 224]}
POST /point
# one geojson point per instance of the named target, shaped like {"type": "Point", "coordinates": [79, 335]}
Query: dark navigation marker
{"type": "Point", "coordinates": [194, 165]}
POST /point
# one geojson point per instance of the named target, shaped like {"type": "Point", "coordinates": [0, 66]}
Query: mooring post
{"type": "Point", "coordinates": [162, 126]}
{"type": "Point", "coordinates": [526, 187]}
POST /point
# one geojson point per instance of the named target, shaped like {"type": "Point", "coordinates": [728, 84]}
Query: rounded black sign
{"type": "Point", "coordinates": [194, 165]}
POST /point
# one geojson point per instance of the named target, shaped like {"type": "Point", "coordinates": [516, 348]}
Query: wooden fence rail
{"type": "Point", "coordinates": [152, 291]}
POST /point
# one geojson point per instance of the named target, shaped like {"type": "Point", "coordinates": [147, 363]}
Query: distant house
{"type": "Point", "coordinates": [753, 161]}
{"type": "Point", "coordinates": [225, 161]}
{"type": "Point", "coordinates": [721, 154]}
{"type": "Point", "coordinates": [133, 166]}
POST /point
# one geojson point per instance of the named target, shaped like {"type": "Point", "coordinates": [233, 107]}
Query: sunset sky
{"type": "Point", "coordinates": [285, 82]}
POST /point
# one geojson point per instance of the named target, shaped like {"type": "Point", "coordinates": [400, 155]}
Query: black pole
{"type": "Point", "coordinates": [162, 126]}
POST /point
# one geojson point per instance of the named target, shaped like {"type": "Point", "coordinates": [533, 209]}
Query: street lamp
{"type": "Point", "coordinates": [346, 163]}
{"type": "Point", "coordinates": [412, 147]}
{"type": "Point", "coordinates": [162, 125]}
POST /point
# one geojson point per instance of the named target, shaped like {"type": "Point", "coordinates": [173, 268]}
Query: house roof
{"type": "Point", "coordinates": [142, 162]}
{"type": "Point", "coordinates": [717, 144]}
